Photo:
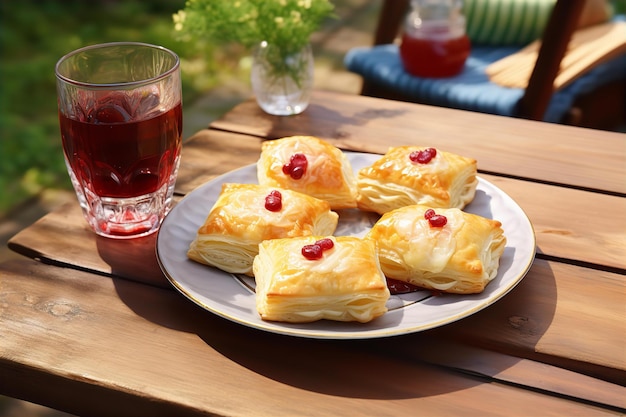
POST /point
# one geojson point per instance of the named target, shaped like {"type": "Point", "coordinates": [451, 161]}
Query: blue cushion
{"type": "Point", "coordinates": [471, 89]}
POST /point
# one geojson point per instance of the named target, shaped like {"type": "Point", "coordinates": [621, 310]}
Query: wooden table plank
{"type": "Point", "coordinates": [555, 343]}
{"type": "Point", "coordinates": [536, 319]}
{"type": "Point", "coordinates": [561, 219]}
{"type": "Point", "coordinates": [118, 335]}
{"type": "Point", "coordinates": [580, 157]}
{"type": "Point", "coordinates": [63, 237]}
{"type": "Point", "coordinates": [210, 153]}
{"type": "Point", "coordinates": [521, 372]}
{"type": "Point", "coordinates": [534, 307]}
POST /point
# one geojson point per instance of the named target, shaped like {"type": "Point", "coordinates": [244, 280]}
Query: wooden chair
{"type": "Point", "coordinates": [604, 107]}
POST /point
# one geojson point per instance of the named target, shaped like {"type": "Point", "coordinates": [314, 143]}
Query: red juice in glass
{"type": "Point", "coordinates": [116, 158]}
{"type": "Point", "coordinates": [120, 115]}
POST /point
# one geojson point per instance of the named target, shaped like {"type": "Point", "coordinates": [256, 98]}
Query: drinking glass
{"type": "Point", "coordinates": [120, 114]}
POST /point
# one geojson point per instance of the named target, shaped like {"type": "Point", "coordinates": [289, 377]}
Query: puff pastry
{"type": "Point", "coordinates": [394, 181]}
{"type": "Point", "coordinates": [461, 257]}
{"type": "Point", "coordinates": [238, 222]}
{"type": "Point", "coordinates": [346, 284]}
{"type": "Point", "coordinates": [328, 174]}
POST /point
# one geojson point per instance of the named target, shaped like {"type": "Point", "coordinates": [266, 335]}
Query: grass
{"type": "Point", "coordinates": [34, 34]}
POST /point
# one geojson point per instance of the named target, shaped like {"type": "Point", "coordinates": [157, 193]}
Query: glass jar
{"type": "Point", "coordinates": [434, 41]}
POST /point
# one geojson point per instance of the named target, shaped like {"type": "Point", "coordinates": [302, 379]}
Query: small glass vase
{"type": "Point", "coordinates": [282, 82]}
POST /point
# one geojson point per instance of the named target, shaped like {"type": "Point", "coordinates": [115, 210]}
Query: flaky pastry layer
{"type": "Point", "coordinates": [461, 257]}
{"type": "Point", "coordinates": [347, 284]}
{"type": "Point", "coordinates": [394, 181]}
{"type": "Point", "coordinates": [238, 222]}
{"type": "Point", "coordinates": [329, 175]}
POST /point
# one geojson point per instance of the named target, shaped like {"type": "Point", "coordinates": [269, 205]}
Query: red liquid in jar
{"type": "Point", "coordinates": [434, 58]}
{"type": "Point", "coordinates": [120, 158]}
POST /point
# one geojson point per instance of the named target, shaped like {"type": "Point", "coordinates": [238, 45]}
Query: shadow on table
{"type": "Point", "coordinates": [386, 368]}
{"type": "Point", "coordinates": [336, 126]}
{"type": "Point", "coordinates": [134, 259]}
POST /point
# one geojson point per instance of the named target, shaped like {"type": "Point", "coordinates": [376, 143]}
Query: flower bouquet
{"type": "Point", "coordinates": [278, 31]}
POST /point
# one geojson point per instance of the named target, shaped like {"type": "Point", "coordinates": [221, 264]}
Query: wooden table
{"type": "Point", "coordinates": [92, 327]}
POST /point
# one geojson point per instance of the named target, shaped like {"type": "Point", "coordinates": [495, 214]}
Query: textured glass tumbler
{"type": "Point", "coordinates": [120, 114]}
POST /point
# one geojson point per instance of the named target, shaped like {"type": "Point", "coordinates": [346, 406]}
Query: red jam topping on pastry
{"type": "Point", "coordinates": [325, 243]}
{"type": "Point", "coordinates": [296, 167]}
{"type": "Point", "coordinates": [274, 201]}
{"type": "Point", "coordinates": [434, 219]}
{"type": "Point", "coordinates": [316, 250]}
{"type": "Point", "coordinates": [424, 156]}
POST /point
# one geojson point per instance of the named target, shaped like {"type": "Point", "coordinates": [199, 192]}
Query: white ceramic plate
{"type": "Point", "coordinates": [232, 297]}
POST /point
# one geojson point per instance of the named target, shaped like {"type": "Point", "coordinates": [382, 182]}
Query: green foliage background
{"type": "Point", "coordinates": [34, 34]}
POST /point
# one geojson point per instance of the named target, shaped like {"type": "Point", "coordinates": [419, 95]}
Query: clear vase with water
{"type": "Point", "coordinates": [282, 81]}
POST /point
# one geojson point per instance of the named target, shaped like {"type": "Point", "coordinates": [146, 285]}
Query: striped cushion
{"type": "Point", "coordinates": [506, 22]}
{"type": "Point", "coordinates": [519, 22]}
